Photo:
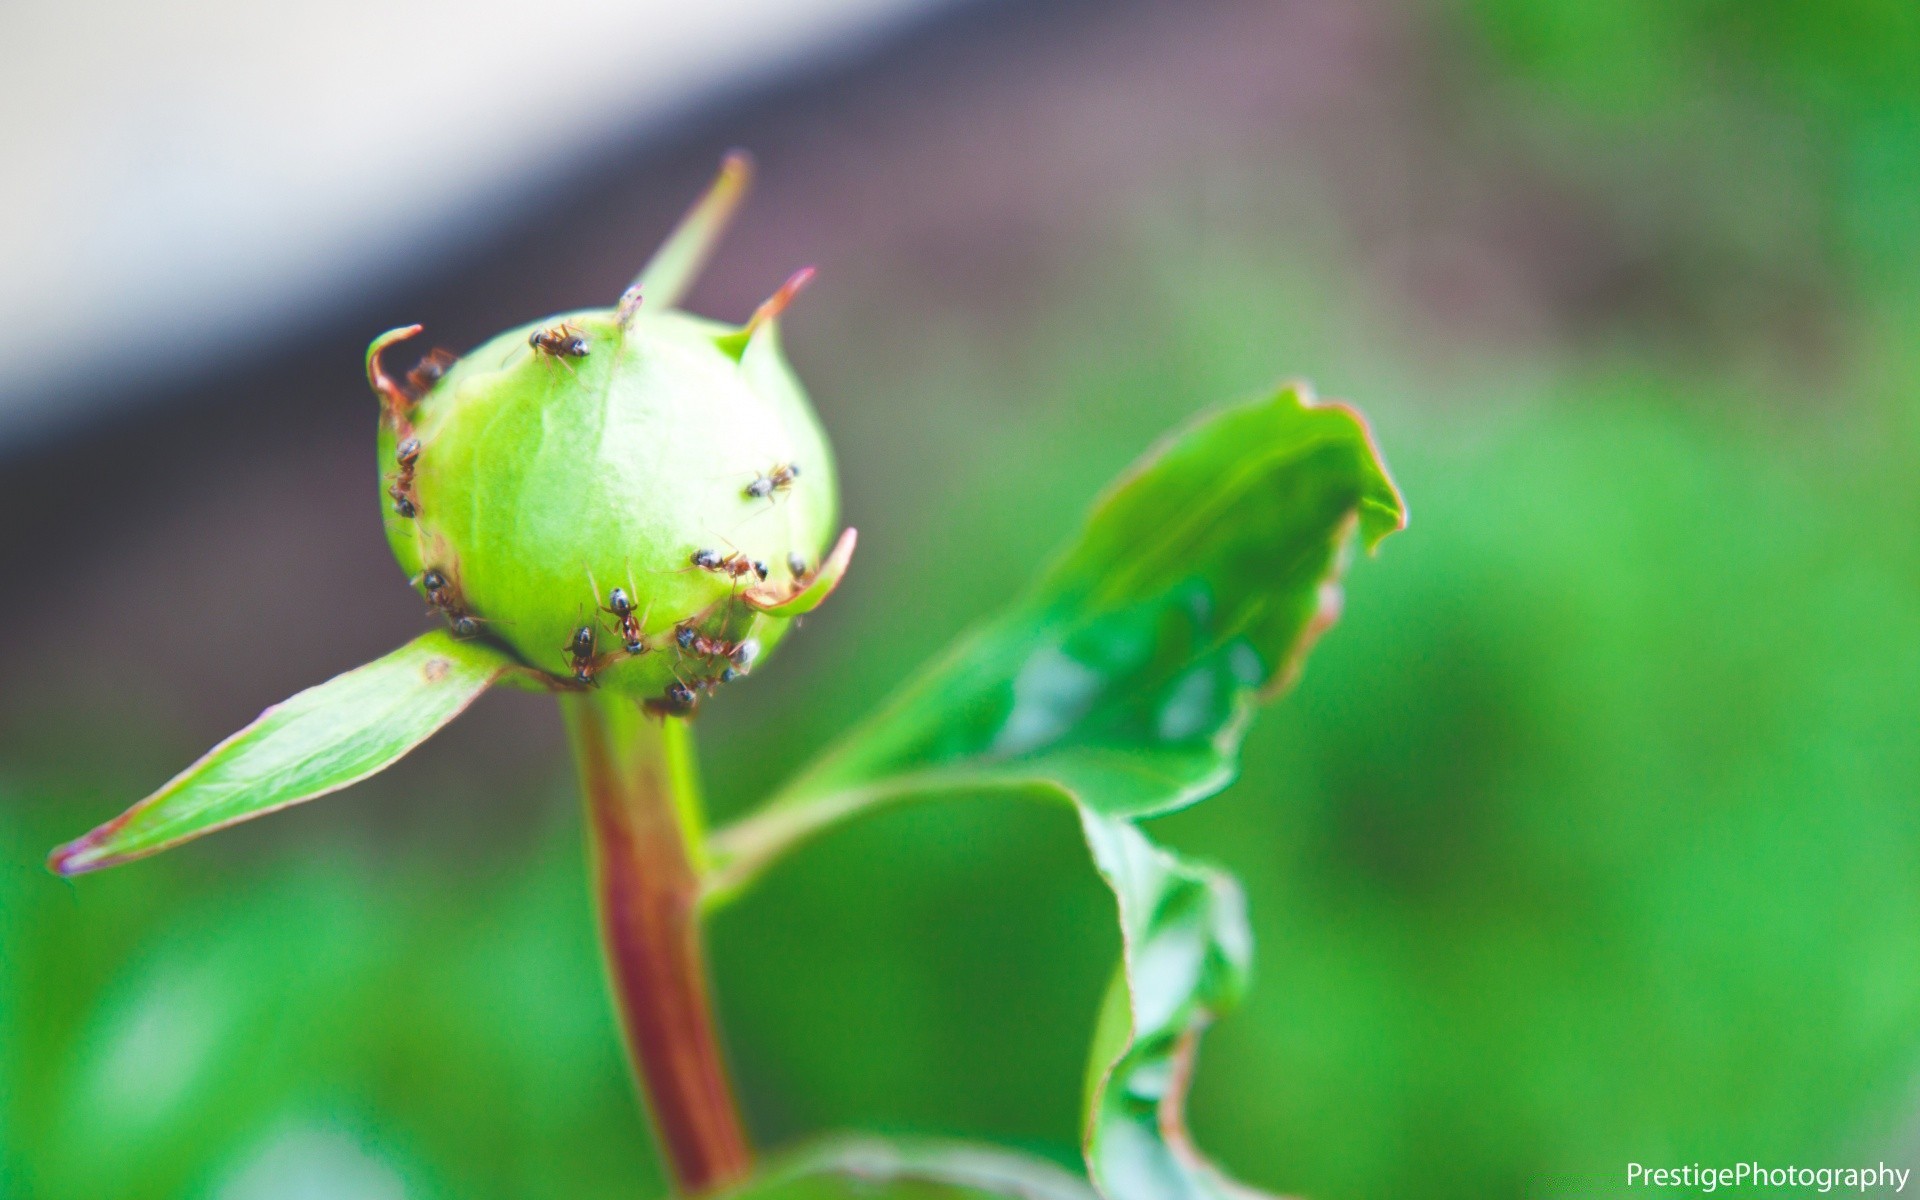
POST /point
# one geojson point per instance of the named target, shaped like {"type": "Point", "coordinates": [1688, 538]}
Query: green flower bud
{"type": "Point", "coordinates": [632, 498]}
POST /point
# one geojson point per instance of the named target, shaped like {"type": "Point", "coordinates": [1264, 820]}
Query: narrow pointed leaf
{"type": "Point", "coordinates": [670, 273]}
{"type": "Point", "coordinates": [319, 741]}
{"type": "Point", "coordinates": [1123, 683]}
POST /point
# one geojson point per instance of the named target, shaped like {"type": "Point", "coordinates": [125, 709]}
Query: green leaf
{"type": "Point", "coordinates": [867, 1168]}
{"type": "Point", "coordinates": [319, 741]}
{"type": "Point", "coordinates": [1123, 683]}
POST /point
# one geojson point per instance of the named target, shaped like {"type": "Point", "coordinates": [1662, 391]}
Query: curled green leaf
{"type": "Point", "coordinates": [1128, 674]}
{"type": "Point", "coordinates": [1185, 957]}
{"type": "Point", "coordinates": [1123, 684]}
{"type": "Point", "coordinates": [319, 741]}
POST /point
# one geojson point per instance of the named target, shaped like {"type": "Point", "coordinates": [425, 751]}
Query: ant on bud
{"type": "Point", "coordinates": [741, 654]}
{"type": "Point", "coordinates": [560, 342]}
{"type": "Point", "coordinates": [777, 480]}
{"type": "Point", "coordinates": [621, 608]}
{"type": "Point", "coordinates": [797, 563]}
{"type": "Point", "coordinates": [421, 379]}
{"type": "Point", "coordinates": [579, 649]}
{"type": "Point", "coordinates": [445, 599]}
{"type": "Point", "coordinates": [677, 701]}
{"type": "Point", "coordinates": [406, 454]}
{"type": "Point", "coordinates": [734, 565]}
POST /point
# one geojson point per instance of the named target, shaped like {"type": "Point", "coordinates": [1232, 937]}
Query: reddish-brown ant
{"type": "Point", "coordinates": [692, 639]}
{"type": "Point", "coordinates": [777, 480]}
{"type": "Point", "coordinates": [579, 649]}
{"type": "Point", "coordinates": [406, 454]}
{"type": "Point", "coordinates": [421, 379]}
{"type": "Point", "coordinates": [621, 607]}
{"type": "Point", "coordinates": [446, 600]}
{"type": "Point", "coordinates": [733, 566]}
{"type": "Point", "coordinates": [561, 342]}
{"type": "Point", "coordinates": [741, 654]}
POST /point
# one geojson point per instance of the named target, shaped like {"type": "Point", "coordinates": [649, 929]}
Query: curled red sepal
{"type": "Point", "coordinates": [395, 399]}
{"type": "Point", "coordinates": [791, 598]}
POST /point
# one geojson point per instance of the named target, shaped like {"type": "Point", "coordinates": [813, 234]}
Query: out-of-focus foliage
{"type": "Point", "coordinates": [1590, 838]}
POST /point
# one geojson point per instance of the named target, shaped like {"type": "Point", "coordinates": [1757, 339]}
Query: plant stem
{"type": "Point", "coordinates": [644, 824]}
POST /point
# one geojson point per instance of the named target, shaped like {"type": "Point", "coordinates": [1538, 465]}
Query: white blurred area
{"type": "Point", "coordinates": [174, 167]}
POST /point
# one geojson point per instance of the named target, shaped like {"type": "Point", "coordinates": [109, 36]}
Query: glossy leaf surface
{"type": "Point", "coordinates": [1123, 683]}
{"type": "Point", "coordinates": [319, 741]}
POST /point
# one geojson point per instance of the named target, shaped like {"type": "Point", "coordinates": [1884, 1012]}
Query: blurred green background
{"type": "Point", "coordinates": [1588, 837]}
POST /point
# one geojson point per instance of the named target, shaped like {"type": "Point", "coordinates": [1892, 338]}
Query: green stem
{"type": "Point", "coordinates": [645, 826]}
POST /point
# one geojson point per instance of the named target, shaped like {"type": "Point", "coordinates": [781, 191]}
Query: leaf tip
{"type": "Point", "coordinates": [77, 857]}
{"type": "Point", "coordinates": [1382, 508]}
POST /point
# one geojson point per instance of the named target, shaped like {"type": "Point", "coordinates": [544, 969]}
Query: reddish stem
{"type": "Point", "coordinates": [636, 774]}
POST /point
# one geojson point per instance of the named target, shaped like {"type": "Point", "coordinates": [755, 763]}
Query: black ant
{"type": "Point", "coordinates": [579, 649]}
{"type": "Point", "coordinates": [733, 566]}
{"type": "Point", "coordinates": [562, 342]}
{"type": "Point", "coordinates": [797, 563]}
{"type": "Point", "coordinates": [777, 480]}
{"type": "Point", "coordinates": [407, 454]}
{"type": "Point", "coordinates": [622, 609]}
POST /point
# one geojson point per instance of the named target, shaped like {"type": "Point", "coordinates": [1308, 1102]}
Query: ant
{"type": "Point", "coordinates": [579, 648]}
{"type": "Point", "coordinates": [797, 563]}
{"type": "Point", "coordinates": [622, 609]}
{"type": "Point", "coordinates": [741, 654]}
{"type": "Point", "coordinates": [692, 639]}
{"type": "Point", "coordinates": [740, 660]}
{"type": "Point", "coordinates": [677, 701]}
{"type": "Point", "coordinates": [421, 379]}
{"type": "Point", "coordinates": [407, 454]}
{"type": "Point", "coordinates": [445, 599]}
{"type": "Point", "coordinates": [733, 566]}
{"type": "Point", "coordinates": [561, 342]}
{"type": "Point", "coordinates": [777, 480]}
